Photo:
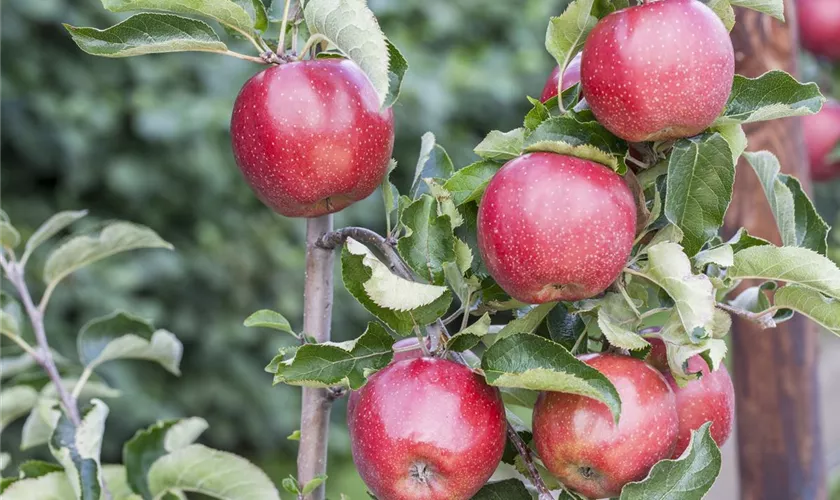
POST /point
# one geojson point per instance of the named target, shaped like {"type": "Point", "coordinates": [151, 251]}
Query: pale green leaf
{"type": "Point", "coordinates": [9, 236]}
{"type": "Point", "coordinates": [722, 256]}
{"type": "Point", "coordinates": [798, 221]}
{"type": "Point", "coordinates": [77, 449]}
{"type": "Point", "coordinates": [218, 474]}
{"type": "Point", "coordinates": [52, 486]}
{"type": "Point", "coordinates": [724, 10]}
{"type": "Point", "coordinates": [227, 12]}
{"type": "Point", "coordinates": [470, 336]}
{"type": "Point", "coordinates": [811, 303]}
{"type": "Point", "coordinates": [790, 264]}
{"type": "Point", "coordinates": [123, 336]}
{"type": "Point", "coordinates": [148, 33]}
{"type": "Point", "coordinates": [446, 203]}
{"type": "Point", "coordinates": [117, 480]}
{"type": "Point", "coordinates": [567, 32]}
{"type": "Point", "coordinates": [701, 174]}
{"type": "Point", "coordinates": [618, 323]}
{"type": "Point", "coordinates": [734, 135]}
{"type": "Point", "coordinates": [429, 240]}
{"type": "Point", "coordinates": [50, 228]}
{"type": "Point", "coordinates": [352, 28]}
{"type": "Point", "coordinates": [680, 346]}
{"type": "Point", "coordinates": [397, 68]}
{"type": "Point", "coordinates": [15, 402]}
{"type": "Point", "coordinates": [463, 255]}
{"type": "Point", "coordinates": [501, 146]}
{"type": "Point", "coordinates": [266, 318]}
{"type": "Point", "coordinates": [9, 324]}
{"type": "Point", "coordinates": [532, 362]}
{"type": "Point", "coordinates": [313, 483]}
{"type": "Point", "coordinates": [688, 477]}
{"type": "Point", "coordinates": [580, 135]}
{"type": "Point", "coordinates": [147, 445]}
{"type": "Point", "coordinates": [772, 95]}
{"type": "Point", "coordinates": [83, 250]}
{"type": "Point", "coordinates": [390, 194]}
{"type": "Point", "coordinates": [775, 8]}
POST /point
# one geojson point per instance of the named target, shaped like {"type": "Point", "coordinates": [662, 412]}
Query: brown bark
{"type": "Point", "coordinates": [780, 446]}
{"type": "Point", "coordinates": [317, 316]}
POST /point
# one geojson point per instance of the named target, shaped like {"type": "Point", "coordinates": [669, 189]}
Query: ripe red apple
{"type": "Point", "coordinates": [579, 443]}
{"type": "Point", "coordinates": [819, 26]}
{"type": "Point", "coordinates": [822, 134]}
{"type": "Point", "coordinates": [662, 70]}
{"type": "Point", "coordinates": [708, 399]}
{"type": "Point", "coordinates": [570, 77]}
{"type": "Point", "coordinates": [309, 136]}
{"type": "Point", "coordinates": [554, 227]}
{"type": "Point", "coordinates": [426, 428]}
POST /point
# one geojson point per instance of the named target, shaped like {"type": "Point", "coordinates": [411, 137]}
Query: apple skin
{"type": "Point", "coordinates": [579, 443]}
{"type": "Point", "coordinates": [662, 70]}
{"type": "Point", "coordinates": [708, 399]}
{"type": "Point", "coordinates": [426, 428]}
{"type": "Point", "coordinates": [819, 27]}
{"type": "Point", "coordinates": [570, 77]}
{"type": "Point", "coordinates": [554, 227]}
{"type": "Point", "coordinates": [822, 133]}
{"type": "Point", "coordinates": [309, 136]}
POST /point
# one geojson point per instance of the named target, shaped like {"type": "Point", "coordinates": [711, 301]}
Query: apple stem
{"type": "Point", "coordinates": [317, 316]}
{"type": "Point", "coordinates": [281, 44]}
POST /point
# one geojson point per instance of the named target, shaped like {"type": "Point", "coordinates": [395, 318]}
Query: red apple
{"type": "Point", "coordinates": [579, 443]}
{"type": "Point", "coordinates": [662, 70]}
{"type": "Point", "coordinates": [426, 428]}
{"type": "Point", "coordinates": [310, 137]}
{"type": "Point", "coordinates": [822, 134]}
{"type": "Point", "coordinates": [708, 399]}
{"type": "Point", "coordinates": [554, 227]}
{"type": "Point", "coordinates": [819, 26]}
{"type": "Point", "coordinates": [570, 77]}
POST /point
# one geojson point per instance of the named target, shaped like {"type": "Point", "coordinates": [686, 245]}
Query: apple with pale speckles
{"type": "Point", "coordinates": [426, 429]}
{"type": "Point", "coordinates": [570, 77]}
{"type": "Point", "coordinates": [579, 442]}
{"type": "Point", "coordinates": [708, 399]}
{"type": "Point", "coordinates": [310, 137]}
{"type": "Point", "coordinates": [554, 227]}
{"type": "Point", "coordinates": [819, 27]}
{"type": "Point", "coordinates": [822, 135]}
{"type": "Point", "coordinates": [658, 71]}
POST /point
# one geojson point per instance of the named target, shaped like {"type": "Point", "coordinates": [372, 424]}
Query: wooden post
{"type": "Point", "coordinates": [779, 439]}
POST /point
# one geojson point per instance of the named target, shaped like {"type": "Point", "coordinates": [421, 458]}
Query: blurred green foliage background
{"type": "Point", "coordinates": [146, 139]}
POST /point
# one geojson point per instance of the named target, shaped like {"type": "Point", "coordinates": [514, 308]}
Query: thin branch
{"type": "Point", "coordinates": [317, 316]}
{"type": "Point", "coordinates": [80, 384]}
{"type": "Point", "coordinates": [14, 273]}
{"type": "Point", "coordinates": [525, 453]}
{"type": "Point", "coordinates": [372, 240]}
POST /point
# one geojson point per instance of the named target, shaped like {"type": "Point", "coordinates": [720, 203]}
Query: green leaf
{"type": "Point", "coordinates": [618, 323]}
{"type": "Point", "coordinates": [818, 307]}
{"type": "Point", "coordinates": [688, 477]}
{"type": "Point", "coordinates": [428, 241]}
{"type": "Point", "coordinates": [445, 203]}
{"type": "Point", "coordinates": [463, 256]}
{"type": "Point", "coordinates": [148, 445]}
{"type": "Point", "coordinates": [532, 362]}
{"type": "Point", "coordinates": [390, 291]}
{"type": "Point", "coordinates": [397, 67]}
{"type": "Point", "coordinates": [266, 318]}
{"type": "Point", "coordinates": [509, 489]}
{"type": "Point", "coordinates": [197, 468]}
{"type": "Point", "coordinates": [115, 477]}
{"type": "Point", "coordinates": [38, 468]}
{"type": "Point", "coordinates": [680, 347]}
{"type": "Point", "coordinates": [772, 95]}
{"type": "Point", "coordinates": [469, 337]}
{"type": "Point", "coordinates": [724, 10]}
{"type": "Point", "coordinates": [9, 324]}
{"type": "Point", "coordinates": [313, 483]}
{"type": "Point", "coordinates": [256, 10]}
{"type": "Point", "coordinates": [77, 450]}
{"type": "Point", "coordinates": [329, 364]}
{"type": "Point", "coordinates": [693, 295]}
{"type": "Point", "coordinates": [538, 114]}
{"type": "Point", "coordinates": [755, 299]}
{"type": "Point", "coordinates": [50, 228]}
{"type": "Point", "coordinates": [701, 174]}
{"type": "Point", "coordinates": [501, 146]}
{"type": "Point", "coordinates": [775, 8]}
{"type": "Point", "coordinates": [464, 288]}
{"type": "Point", "coordinates": [15, 402]}
{"type": "Point", "coordinates": [353, 29]}
{"type": "Point", "coordinates": [564, 327]}
{"type": "Point", "coordinates": [148, 34]}
{"type": "Point", "coordinates": [567, 32]}
{"type": "Point", "coordinates": [52, 486]}
{"type": "Point", "coordinates": [9, 236]}
{"type": "Point", "coordinates": [291, 485]}
{"type": "Point", "coordinates": [527, 323]}
{"type": "Point", "coordinates": [735, 136]}
{"type": "Point", "coordinates": [390, 194]}
{"type": "Point", "coordinates": [81, 251]}
{"type": "Point", "coordinates": [355, 274]}
{"type": "Point", "coordinates": [743, 240]}
{"type": "Point", "coordinates": [722, 256]}
{"type": "Point", "coordinates": [790, 264]}
{"type": "Point", "coordinates": [227, 12]}
{"type": "Point", "coordinates": [581, 136]}
{"type": "Point", "coordinates": [469, 183]}
{"type": "Point", "coordinates": [433, 162]}
{"type": "Point", "coordinates": [798, 221]}
{"type": "Point", "coordinates": [120, 335]}
{"type": "Point", "coordinates": [11, 366]}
